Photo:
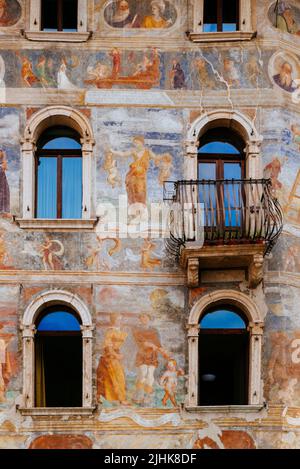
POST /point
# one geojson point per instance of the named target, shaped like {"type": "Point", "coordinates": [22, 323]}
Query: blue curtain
{"type": "Point", "coordinates": [47, 188]}
{"type": "Point", "coordinates": [71, 187]}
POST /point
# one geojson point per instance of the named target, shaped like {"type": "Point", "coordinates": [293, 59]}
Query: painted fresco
{"type": "Point", "coordinates": [285, 16]}
{"type": "Point", "coordinates": [132, 14]}
{"type": "Point", "coordinates": [139, 362]}
{"type": "Point", "coordinates": [61, 442]}
{"type": "Point", "coordinates": [284, 68]}
{"type": "Point", "coordinates": [10, 12]}
{"type": "Point", "coordinates": [148, 68]}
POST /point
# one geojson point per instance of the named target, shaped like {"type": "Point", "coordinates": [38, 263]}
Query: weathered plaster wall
{"type": "Point", "coordinates": [126, 82]}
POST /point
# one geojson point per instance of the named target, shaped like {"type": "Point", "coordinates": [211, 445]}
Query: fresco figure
{"type": "Point", "coordinates": [27, 73]}
{"type": "Point", "coordinates": [169, 381]}
{"type": "Point", "coordinates": [49, 255]}
{"type": "Point", "coordinates": [177, 76]}
{"type": "Point", "coordinates": [285, 79]}
{"type": "Point", "coordinates": [156, 19]}
{"type": "Point", "coordinates": [165, 165]}
{"type": "Point", "coordinates": [149, 347]}
{"type": "Point", "coordinates": [97, 254]}
{"type": "Point", "coordinates": [231, 73]}
{"type": "Point", "coordinates": [122, 16]}
{"type": "Point", "coordinates": [296, 131]}
{"type": "Point", "coordinates": [10, 12]}
{"type": "Point", "coordinates": [110, 165]}
{"type": "Point", "coordinates": [201, 67]}
{"type": "Point", "coordinates": [63, 81]}
{"type": "Point", "coordinates": [5, 364]}
{"type": "Point", "coordinates": [272, 171]}
{"type": "Point", "coordinates": [285, 20]}
{"type": "Point", "coordinates": [136, 177]}
{"type": "Point", "coordinates": [111, 383]}
{"type": "Point", "coordinates": [4, 187]}
{"type": "Point", "coordinates": [148, 262]}
{"type": "Point", "coordinates": [116, 65]}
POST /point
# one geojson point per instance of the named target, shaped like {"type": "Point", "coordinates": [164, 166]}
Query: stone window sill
{"type": "Point", "coordinates": [222, 36]}
{"type": "Point", "coordinates": [225, 409]}
{"type": "Point", "coordinates": [58, 36]}
{"type": "Point", "coordinates": [56, 224]}
{"type": "Point", "coordinates": [47, 411]}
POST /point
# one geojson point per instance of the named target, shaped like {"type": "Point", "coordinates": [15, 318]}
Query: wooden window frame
{"type": "Point", "coordinates": [59, 154]}
{"type": "Point", "coordinates": [60, 16]}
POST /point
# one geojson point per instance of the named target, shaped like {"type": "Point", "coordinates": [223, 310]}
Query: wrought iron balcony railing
{"type": "Point", "coordinates": [228, 211]}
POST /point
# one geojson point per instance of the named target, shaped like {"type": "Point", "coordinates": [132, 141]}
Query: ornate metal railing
{"type": "Point", "coordinates": [225, 211]}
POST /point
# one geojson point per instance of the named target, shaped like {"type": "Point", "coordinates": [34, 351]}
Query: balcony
{"type": "Point", "coordinates": [222, 224]}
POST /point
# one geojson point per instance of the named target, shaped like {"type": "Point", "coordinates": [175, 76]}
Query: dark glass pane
{"type": "Point", "coordinates": [219, 148]}
{"type": "Point", "coordinates": [59, 321]}
{"type": "Point", "coordinates": [232, 195]}
{"type": "Point", "coordinates": [62, 143]}
{"type": "Point", "coordinates": [70, 15]}
{"type": "Point", "coordinates": [47, 188]}
{"type": "Point", "coordinates": [230, 15]}
{"type": "Point", "coordinates": [71, 187]}
{"type": "Point", "coordinates": [222, 319]}
{"type": "Point", "coordinates": [207, 193]}
{"type": "Point", "coordinates": [49, 15]}
{"type": "Point", "coordinates": [210, 16]}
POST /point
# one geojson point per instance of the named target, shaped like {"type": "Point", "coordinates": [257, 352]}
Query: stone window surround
{"type": "Point", "coordinates": [28, 329]}
{"type": "Point", "coordinates": [34, 32]}
{"type": "Point", "coordinates": [245, 32]}
{"type": "Point", "coordinates": [234, 120]}
{"type": "Point", "coordinates": [255, 327]}
{"type": "Point", "coordinates": [38, 122]}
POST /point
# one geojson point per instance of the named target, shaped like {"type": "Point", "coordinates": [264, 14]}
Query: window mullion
{"type": "Point", "coordinates": [59, 186]}
{"type": "Point", "coordinates": [220, 15]}
{"type": "Point", "coordinates": [60, 13]}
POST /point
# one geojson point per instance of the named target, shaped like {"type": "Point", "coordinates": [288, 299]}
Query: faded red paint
{"type": "Point", "coordinates": [195, 294]}
{"type": "Point", "coordinates": [231, 439]}
{"type": "Point", "coordinates": [62, 442]}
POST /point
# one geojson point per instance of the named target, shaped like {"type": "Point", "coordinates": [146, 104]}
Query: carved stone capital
{"type": "Point", "coordinates": [87, 331]}
{"type": "Point", "coordinates": [256, 270]}
{"type": "Point", "coordinates": [254, 147]}
{"type": "Point", "coordinates": [256, 328]}
{"type": "Point", "coordinates": [191, 148]}
{"type": "Point", "coordinates": [193, 272]}
{"type": "Point", "coordinates": [193, 330]}
{"type": "Point", "coordinates": [28, 332]}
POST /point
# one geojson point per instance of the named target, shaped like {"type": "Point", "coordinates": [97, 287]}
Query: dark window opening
{"type": "Point", "coordinates": [221, 15]}
{"type": "Point", "coordinates": [223, 358]}
{"type": "Point", "coordinates": [59, 15]}
{"type": "Point", "coordinates": [59, 174]}
{"type": "Point", "coordinates": [58, 359]}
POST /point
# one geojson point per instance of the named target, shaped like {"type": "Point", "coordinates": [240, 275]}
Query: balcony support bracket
{"type": "Point", "coordinates": [193, 272]}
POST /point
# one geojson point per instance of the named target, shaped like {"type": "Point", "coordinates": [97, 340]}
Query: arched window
{"type": "Point", "coordinates": [58, 358]}
{"type": "Point", "coordinates": [59, 174]}
{"type": "Point", "coordinates": [223, 357]}
{"type": "Point", "coordinates": [221, 157]}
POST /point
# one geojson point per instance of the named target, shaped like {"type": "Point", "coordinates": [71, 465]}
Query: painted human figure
{"type": "Point", "coordinates": [149, 347]}
{"type": "Point", "coordinates": [285, 79]}
{"type": "Point", "coordinates": [177, 76]}
{"type": "Point", "coordinates": [4, 187]}
{"type": "Point", "coordinates": [285, 20]}
{"type": "Point", "coordinates": [148, 262]}
{"type": "Point", "coordinates": [123, 17]}
{"type": "Point", "coordinates": [49, 255]}
{"type": "Point", "coordinates": [111, 383]}
{"type": "Point", "coordinates": [28, 76]}
{"type": "Point", "coordinates": [63, 81]}
{"type": "Point", "coordinates": [231, 73]}
{"type": "Point", "coordinates": [136, 177]}
{"type": "Point", "coordinates": [156, 19]}
{"type": "Point", "coordinates": [5, 365]}
{"type": "Point", "coordinates": [10, 12]}
{"type": "Point", "coordinates": [169, 381]}
{"type": "Point", "coordinates": [116, 59]}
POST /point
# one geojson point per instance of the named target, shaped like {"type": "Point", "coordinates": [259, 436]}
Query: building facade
{"type": "Point", "coordinates": [118, 329]}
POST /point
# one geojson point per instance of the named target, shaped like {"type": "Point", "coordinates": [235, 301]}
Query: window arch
{"type": "Point", "coordinates": [37, 134]}
{"type": "Point", "coordinates": [239, 311]}
{"type": "Point", "coordinates": [220, 124]}
{"type": "Point", "coordinates": [49, 315]}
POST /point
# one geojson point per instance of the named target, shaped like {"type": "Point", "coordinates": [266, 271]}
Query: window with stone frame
{"type": "Point", "coordinates": [221, 20]}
